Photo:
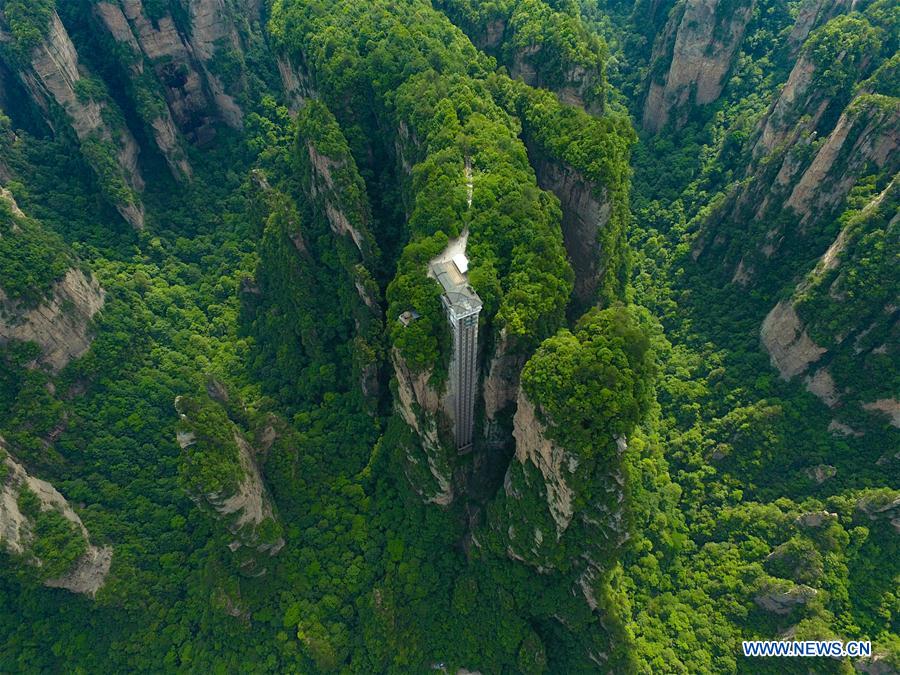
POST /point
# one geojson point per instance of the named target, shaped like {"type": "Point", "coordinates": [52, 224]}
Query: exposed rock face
{"type": "Point", "coordinates": [821, 473]}
{"type": "Point", "coordinates": [161, 123]}
{"type": "Point", "coordinates": [421, 406]}
{"type": "Point", "coordinates": [525, 37]}
{"type": "Point", "coordinates": [882, 506]}
{"type": "Point", "coordinates": [296, 82]}
{"type": "Point", "coordinates": [17, 529]}
{"type": "Point", "coordinates": [184, 61]}
{"type": "Point", "coordinates": [815, 13]}
{"type": "Point", "coordinates": [816, 518]}
{"type": "Point", "coordinates": [553, 462]}
{"type": "Point", "coordinates": [866, 135]}
{"type": "Point", "coordinates": [877, 664]}
{"type": "Point", "coordinates": [867, 316]}
{"type": "Point", "coordinates": [797, 180]}
{"type": "Point", "coordinates": [501, 384]}
{"type": "Point", "coordinates": [52, 77]}
{"type": "Point", "coordinates": [785, 338]}
{"type": "Point", "coordinates": [887, 406]}
{"type": "Point", "coordinates": [239, 498]}
{"type": "Point", "coordinates": [586, 210]}
{"type": "Point", "coordinates": [211, 31]}
{"type": "Point", "coordinates": [323, 186]}
{"type": "Point", "coordinates": [61, 325]}
{"type": "Point", "coordinates": [539, 519]}
{"type": "Point", "coordinates": [695, 51]}
{"type": "Point", "coordinates": [781, 599]}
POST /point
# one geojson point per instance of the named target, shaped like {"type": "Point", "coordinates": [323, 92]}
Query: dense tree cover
{"type": "Point", "coordinates": [859, 291]}
{"type": "Point", "coordinates": [598, 149]}
{"type": "Point", "coordinates": [543, 42]}
{"type": "Point", "coordinates": [28, 23]}
{"type": "Point", "coordinates": [595, 383]}
{"type": "Point", "coordinates": [31, 257]}
{"type": "Point", "coordinates": [433, 85]}
{"type": "Point", "coordinates": [242, 275]}
{"type": "Point", "coordinates": [57, 542]}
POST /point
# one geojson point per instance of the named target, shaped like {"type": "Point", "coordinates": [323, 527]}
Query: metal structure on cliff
{"type": "Point", "coordinates": [463, 307]}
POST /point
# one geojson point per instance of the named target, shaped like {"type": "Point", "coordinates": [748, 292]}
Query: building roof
{"type": "Point", "coordinates": [450, 269]}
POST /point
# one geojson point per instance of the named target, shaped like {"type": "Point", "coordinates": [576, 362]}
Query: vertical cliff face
{"type": "Point", "coordinates": [49, 69]}
{"type": "Point", "coordinates": [812, 15]}
{"type": "Point", "coordinates": [337, 195]}
{"type": "Point", "coordinates": [563, 144]}
{"type": "Point", "coordinates": [46, 300]}
{"type": "Point", "coordinates": [562, 506]}
{"type": "Point", "coordinates": [586, 213]}
{"type": "Point", "coordinates": [540, 45]}
{"type": "Point", "coordinates": [825, 131]}
{"type": "Point", "coordinates": [221, 473]}
{"type": "Point", "coordinates": [692, 57]}
{"type": "Point", "coordinates": [40, 528]}
{"type": "Point", "coordinates": [199, 67]}
{"type": "Point", "coordinates": [155, 111]}
{"type": "Point", "coordinates": [428, 451]}
{"type": "Point", "coordinates": [838, 330]}
{"type": "Point", "coordinates": [60, 325]}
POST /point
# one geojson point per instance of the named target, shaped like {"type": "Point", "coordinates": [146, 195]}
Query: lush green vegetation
{"type": "Point", "coordinates": [29, 22]}
{"type": "Point", "coordinates": [31, 257]}
{"type": "Point", "coordinates": [264, 295]}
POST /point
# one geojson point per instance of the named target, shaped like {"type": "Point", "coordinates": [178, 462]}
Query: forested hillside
{"type": "Point", "coordinates": [228, 405]}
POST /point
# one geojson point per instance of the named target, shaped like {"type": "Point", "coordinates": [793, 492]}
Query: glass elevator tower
{"type": "Point", "coordinates": [463, 306]}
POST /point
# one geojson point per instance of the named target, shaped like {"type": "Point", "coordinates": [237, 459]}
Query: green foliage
{"type": "Point", "coordinates": [595, 383]}
{"type": "Point", "coordinates": [212, 463]}
{"type": "Point", "coordinates": [56, 541]}
{"type": "Point", "coordinates": [29, 21]}
{"type": "Point", "coordinates": [31, 257]}
{"type": "Point", "coordinates": [837, 50]}
{"type": "Point", "coordinates": [101, 155]}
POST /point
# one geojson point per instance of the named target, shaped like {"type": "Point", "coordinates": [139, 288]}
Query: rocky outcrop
{"type": "Point", "coordinates": [421, 407]}
{"type": "Point", "coordinates": [887, 406]}
{"type": "Point", "coordinates": [323, 170]}
{"type": "Point", "coordinates": [539, 45]}
{"type": "Point", "coordinates": [157, 114]}
{"type": "Point", "coordinates": [545, 522]}
{"type": "Point", "coordinates": [586, 211]}
{"type": "Point", "coordinates": [812, 14]}
{"type": "Point", "coordinates": [295, 81]}
{"type": "Point", "coordinates": [866, 136]}
{"type": "Point", "coordinates": [692, 57]}
{"type": "Point", "coordinates": [785, 338]}
{"type": "Point", "coordinates": [20, 527]}
{"type": "Point", "coordinates": [61, 324]}
{"type": "Point", "coordinates": [883, 505]}
{"type": "Point", "coordinates": [828, 127]}
{"type": "Point", "coordinates": [855, 318]}
{"type": "Point", "coordinates": [779, 596]}
{"type": "Point", "coordinates": [553, 462]}
{"type": "Point", "coordinates": [212, 34]}
{"type": "Point", "coordinates": [501, 386]}
{"type": "Point", "coordinates": [54, 78]}
{"type": "Point", "coordinates": [186, 62]}
{"type": "Point", "coordinates": [222, 474]}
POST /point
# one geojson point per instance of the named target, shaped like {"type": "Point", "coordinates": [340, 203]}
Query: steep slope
{"type": "Point", "coordinates": [839, 327]}
{"type": "Point", "coordinates": [220, 470]}
{"type": "Point", "coordinates": [540, 44]}
{"type": "Point", "coordinates": [40, 528]}
{"type": "Point", "coordinates": [691, 58]}
{"type": "Point", "coordinates": [561, 509]}
{"type": "Point", "coordinates": [44, 299]}
{"type": "Point", "coordinates": [824, 132]}
{"type": "Point", "coordinates": [37, 48]}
